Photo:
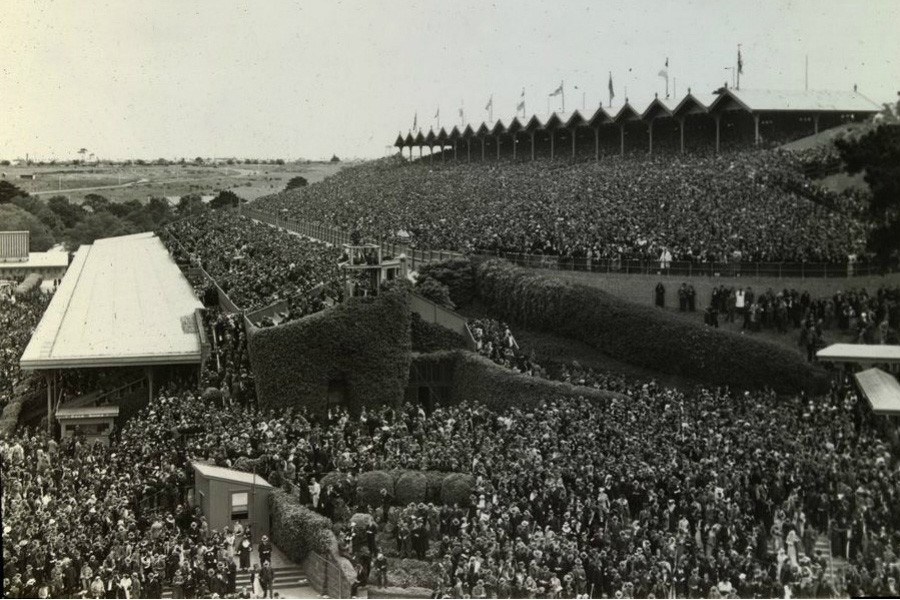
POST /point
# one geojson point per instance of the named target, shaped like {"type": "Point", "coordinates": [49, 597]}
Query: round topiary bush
{"type": "Point", "coordinates": [371, 484]}
{"type": "Point", "coordinates": [434, 481]}
{"type": "Point", "coordinates": [362, 520]}
{"type": "Point", "coordinates": [412, 486]}
{"type": "Point", "coordinates": [456, 489]}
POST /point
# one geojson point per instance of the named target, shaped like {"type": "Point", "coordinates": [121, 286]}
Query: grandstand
{"type": "Point", "coordinates": [730, 118]}
{"type": "Point", "coordinates": [123, 303]}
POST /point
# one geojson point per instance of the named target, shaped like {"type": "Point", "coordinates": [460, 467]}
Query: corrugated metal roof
{"type": "Point", "coordinates": [881, 390]}
{"type": "Point", "coordinates": [121, 302]}
{"type": "Point", "coordinates": [214, 472]}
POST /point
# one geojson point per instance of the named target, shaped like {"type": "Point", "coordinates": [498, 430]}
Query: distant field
{"type": "Point", "coordinates": [123, 183]}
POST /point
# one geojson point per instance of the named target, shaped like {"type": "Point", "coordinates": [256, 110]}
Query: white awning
{"type": "Point", "coordinates": [860, 353]}
{"type": "Point", "coordinates": [122, 302]}
{"type": "Point", "coordinates": [881, 390]}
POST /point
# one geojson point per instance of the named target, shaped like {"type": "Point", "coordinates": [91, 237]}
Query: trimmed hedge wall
{"type": "Point", "coordinates": [641, 335]}
{"type": "Point", "coordinates": [10, 418]}
{"type": "Point", "coordinates": [479, 379]}
{"type": "Point", "coordinates": [431, 337]}
{"type": "Point", "coordinates": [363, 343]}
{"type": "Point", "coordinates": [408, 486]}
{"type": "Point", "coordinates": [296, 529]}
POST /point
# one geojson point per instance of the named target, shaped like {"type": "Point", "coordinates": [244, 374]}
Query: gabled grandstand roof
{"type": "Point", "coordinates": [659, 107]}
{"type": "Point", "coordinates": [399, 141]}
{"type": "Point", "coordinates": [429, 139]}
{"type": "Point", "coordinates": [123, 301]}
{"type": "Point", "coordinates": [627, 113]}
{"type": "Point", "coordinates": [692, 103]}
{"type": "Point", "coordinates": [442, 135]}
{"type": "Point", "coordinates": [797, 100]}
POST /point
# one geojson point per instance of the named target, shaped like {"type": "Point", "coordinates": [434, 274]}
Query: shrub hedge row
{"type": "Point", "coordinates": [362, 346]}
{"type": "Point", "coordinates": [9, 420]}
{"type": "Point", "coordinates": [639, 334]}
{"type": "Point", "coordinates": [409, 486]}
{"type": "Point", "coordinates": [296, 529]}
{"type": "Point", "coordinates": [457, 274]}
{"type": "Point", "coordinates": [431, 337]}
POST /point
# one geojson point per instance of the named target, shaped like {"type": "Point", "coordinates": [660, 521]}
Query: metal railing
{"type": "Point", "coordinates": [796, 270]}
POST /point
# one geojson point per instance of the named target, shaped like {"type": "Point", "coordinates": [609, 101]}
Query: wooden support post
{"type": "Point", "coordinates": [515, 140]}
{"type": "Point", "coordinates": [430, 154]}
{"type": "Point", "coordinates": [650, 132]}
{"type": "Point", "coordinates": [573, 144]}
{"type": "Point", "coordinates": [552, 144]}
{"type": "Point", "coordinates": [756, 130]}
{"type": "Point", "coordinates": [455, 143]}
{"type": "Point", "coordinates": [532, 146]}
{"type": "Point", "coordinates": [469, 151]}
{"type": "Point", "coordinates": [681, 132]}
{"type": "Point", "coordinates": [718, 127]}
{"type": "Point", "coordinates": [596, 143]}
{"type": "Point", "coordinates": [816, 124]}
{"type": "Point", "coordinates": [621, 139]}
{"type": "Point", "coordinates": [482, 149]}
{"type": "Point", "coordinates": [48, 378]}
{"type": "Point", "coordinates": [498, 146]}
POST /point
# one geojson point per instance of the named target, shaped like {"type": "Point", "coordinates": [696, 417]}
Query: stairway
{"type": "Point", "coordinates": [286, 578]}
{"type": "Point", "coordinates": [837, 565]}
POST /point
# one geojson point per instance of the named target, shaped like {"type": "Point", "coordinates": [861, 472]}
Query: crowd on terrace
{"type": "Point", "coordinates": [707, 494]}
{"type": "Point", "coordinates": [731, 208]}
{"type": "Point", "coordinates": [257, 265]}
{"type": "Point", "coordinates": [19, 315]}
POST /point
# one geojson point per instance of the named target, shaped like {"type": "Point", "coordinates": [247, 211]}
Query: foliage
{"type": "Point", "coordinates": [370, 485]}
{"type": "Point", "coordinates": [411, 486]}
{"type": "Point", "coordinates": [362, 346]}
{"type": "Point", "coordinates": [435, 291]}
{"type": "Point", "coordinates": [431, 337]}
{"type": "Point", "coordinates": [296, 529]}
{"type": "Point", "coordinates": [9, 419]}
{"type": "Point", "coordinates": [8, 191]}
{"type": "Point", "coordinates": [225, 199]}
{"type": "Point", "coordinates": [877, 152]}
{"type": "Point", "coordinates": [190, 205]}
{"type": "Point", "coordinates": [296, 182]}
{"type": "Point", "coordinates": [456, 489]}
{"type": "Point", "coordinates": [13, 218]}
{"type": "Point", "coordinates": [95, 226]}
{"type": "Point", "coordinates": [641, 335]}
{"type": "Point", "coordinates": [410, 573]}
{"type": "Point", "coordinates": [42, 211]}
{"type": "Point", "coordinates": [334, 158]}
{"type": "Point", "coordinates": [458, 274]}
{"type": "Point", "coordinates": [69, 212]}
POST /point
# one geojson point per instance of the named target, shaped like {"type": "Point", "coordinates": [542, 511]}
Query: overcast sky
{"type": "Point", "coordinates": [273, 79]}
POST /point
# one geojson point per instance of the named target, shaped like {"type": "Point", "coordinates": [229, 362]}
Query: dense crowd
{"type": "Point", "coordinates": [865, 318]}
{"type": "Point", "coordinates": [19, 315]}
{"type": "Point", "coordinates": [228, 369]}
{"type": "Point", "coordinates": [494, 340]}
{"type": "Point", "coordinates": [258, 265]}
{"type": "Point", "coordinates": [708, 494]}
{"type": "Point", "coordinates": [732, 207]}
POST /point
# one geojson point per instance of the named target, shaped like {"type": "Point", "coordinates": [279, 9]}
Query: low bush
{"type": "Point", "coordinates": [411, 487]}
{"type": "Point", "coordinates": [641, 335]}
{"type": "Point", "coordinates": [411, 573]}
{"type": "Point", "coordinates": [370, 485]}
{"type": "Point", "coordinates": [433, 482]}
{"type": "Point", "coordinates": [456, 489]}
{"type": "Point", "coordinates": [296, 530]}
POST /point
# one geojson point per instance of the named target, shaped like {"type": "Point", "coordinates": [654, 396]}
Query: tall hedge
{"type": "Point", "coordinates": [457, 274]}
{"type": "Point", "coordinates": [641, 335]}
{"type": "Point", "coordinates": [296, 529]}
{"type": "Point", "coordinates": [431, 337]}
{"type": "Point", "coordinates": [405, 486]}
{"type": "Point", "coordinates": [364, 342]}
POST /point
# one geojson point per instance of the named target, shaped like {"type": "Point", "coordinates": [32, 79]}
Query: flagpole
{"type": "Point", "coordinates": [738, 86]}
